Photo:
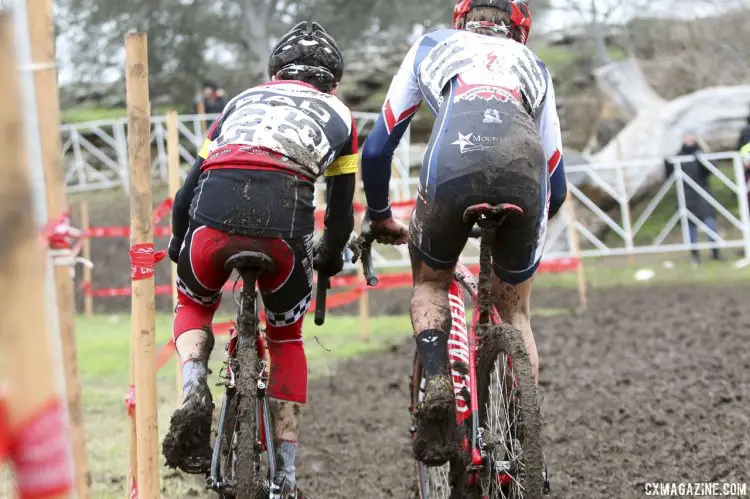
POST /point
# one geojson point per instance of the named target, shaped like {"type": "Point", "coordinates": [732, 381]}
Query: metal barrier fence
{"type": "Point", "coordinates": [95, 154]}
{"type": "Point", "coordinates": [607, 219]}
{"type": "Point", "coordinates": [660, 222]}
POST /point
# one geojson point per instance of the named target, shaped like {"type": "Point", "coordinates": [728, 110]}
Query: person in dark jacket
{"type": "Point", "coordinates": [697, 170]}
{"type": "Point", "coordinates": [744, 135]}
{"type": "Point", "coordinates": [743, 146]}
{"type": "Point", "coordinates": [213, 97]}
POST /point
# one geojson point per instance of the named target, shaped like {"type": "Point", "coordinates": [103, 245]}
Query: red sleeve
{"type": "Point", "coordinates": [354, 137]}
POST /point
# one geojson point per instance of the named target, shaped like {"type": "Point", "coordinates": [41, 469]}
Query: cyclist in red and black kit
{"type": "Point", "coordinates": [252, 189]}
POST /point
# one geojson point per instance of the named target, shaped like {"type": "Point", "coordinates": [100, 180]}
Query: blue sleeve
{"type": "Point", "coordinates": [401, 103]}
{"type": "Point", "coordinates": [558, 188]}
{"type": "Point", "coordinates": [377, 156]}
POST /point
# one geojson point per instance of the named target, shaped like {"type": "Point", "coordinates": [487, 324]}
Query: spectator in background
{"type": "Point", "coordinates": [743, 146]}
{"type": "Point", "coordinates": [744, 139]}
{"type": "Point", "coordinates": [214, 98]}
{"type": "Point", "coordinates": [699, 173]}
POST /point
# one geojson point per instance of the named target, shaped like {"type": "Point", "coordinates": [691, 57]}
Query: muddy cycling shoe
{"type": "Point", "coordinates": [435, 440]}
{"type": "Point", "coordinates": [187, 446]}
{"type": "Point", "coordinates": [282, 489]}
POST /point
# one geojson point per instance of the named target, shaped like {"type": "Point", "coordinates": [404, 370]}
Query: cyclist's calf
{"type": "Point", "coordinates": [513, 302]}
{"type": "Point", "coordinates": [431, 316]}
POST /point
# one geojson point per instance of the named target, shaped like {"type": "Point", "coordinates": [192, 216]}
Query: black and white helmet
{"type": "Point", "coordinates": [307, 50]}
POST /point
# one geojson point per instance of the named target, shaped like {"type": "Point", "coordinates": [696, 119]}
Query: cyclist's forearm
{"type": "Point", "coordinates": [377, 156]}
{"type": "Point", "coordinates": [339, 219]}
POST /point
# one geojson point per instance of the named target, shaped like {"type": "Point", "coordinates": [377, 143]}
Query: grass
{"type": "Point", "coordinates": [621, 272]}
{"type": "Point", "coordinates": [92, 113]}
{"type": "Point", "coordinates": [104, 342]}
{"type": "Point", "coordinates": [83, 114]}
{"type": "Point", "coordinates": [557, 57]}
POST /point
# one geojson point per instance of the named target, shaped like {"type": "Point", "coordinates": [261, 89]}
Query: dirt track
{"type": "Point", "coordinates": [651, 385]}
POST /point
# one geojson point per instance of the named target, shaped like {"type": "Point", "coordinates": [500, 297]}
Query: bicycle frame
{"type": "Point", "coordinates": [463, 347]}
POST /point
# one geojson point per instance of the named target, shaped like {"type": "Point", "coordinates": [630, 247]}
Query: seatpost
{"type": "Point", "coordinates": [486, 296]}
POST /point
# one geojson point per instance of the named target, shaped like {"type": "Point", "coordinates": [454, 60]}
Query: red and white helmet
{"type": "Point", "coordinates": [520, 15]}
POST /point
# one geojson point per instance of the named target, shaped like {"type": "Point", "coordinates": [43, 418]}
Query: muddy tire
{"type": "Point", "coordinates": [509, 414]}
{"type": "Point", "coordinates": [245, 445]}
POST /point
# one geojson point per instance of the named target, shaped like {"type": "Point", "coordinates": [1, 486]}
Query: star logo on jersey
{"type": "Point", "coordinates": [465, 143]}
{"type": "Point", "coordinates": [472, 142]}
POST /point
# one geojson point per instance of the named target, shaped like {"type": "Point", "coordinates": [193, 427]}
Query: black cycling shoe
{"type": "Point", "coordinates": [435, 440]}
{"type": "Point", "coordinates": [187, 446]}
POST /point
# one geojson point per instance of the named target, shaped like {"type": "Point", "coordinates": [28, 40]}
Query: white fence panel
{"type": "Point", "coordinates": [608, 220]}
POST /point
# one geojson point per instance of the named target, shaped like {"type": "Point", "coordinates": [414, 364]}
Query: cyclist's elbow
{"type": "Point", "coordinates": [557, 198]}
{"type": "Point", "coordinates": [371, 153]}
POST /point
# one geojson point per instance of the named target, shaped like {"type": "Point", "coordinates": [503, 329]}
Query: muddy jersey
{"type": "Point", "coordinates": [255, 173]}
{"type": "Point", "coordinates": [284, 124]}
{"type": "Point", "coordinates": [457, 72]}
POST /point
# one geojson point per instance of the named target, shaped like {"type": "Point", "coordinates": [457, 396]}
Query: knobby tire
{"type": "Point", "coordinates": [494, 340]}
{"type": "Point", "coordinates": [247, 481]}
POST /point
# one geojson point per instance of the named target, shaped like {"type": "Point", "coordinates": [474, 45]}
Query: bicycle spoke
{"type": "Point", "coordinates": [502, 424]}
{"type": "Point", "coordinates": [437, 481]}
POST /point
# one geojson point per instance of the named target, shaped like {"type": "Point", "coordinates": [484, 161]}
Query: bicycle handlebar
{"type": "Point", "coordinates": [361, 247]}
{"type": "Point", "coordinates": [324, 282]}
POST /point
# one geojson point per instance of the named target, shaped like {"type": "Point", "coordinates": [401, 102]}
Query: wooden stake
{"type": "Point", "coordinates": [202, 112]}
{"type": "Point", "coordinates": [42, 38]}
{"type": "Point", "coordinates": [364, 298]}
{"type": "Point", "coordinates": [173, 153]}
{"type": "Point", "coordinates": [141, 232]}
{"type": "Point", "coordinates": [88, 299]}
{"type": "Point", "coordinates": [576, 250]}
{"type": "Point", "coordinates": [131, 487]}
{"type": "Point", "coordinates": [27, 361]}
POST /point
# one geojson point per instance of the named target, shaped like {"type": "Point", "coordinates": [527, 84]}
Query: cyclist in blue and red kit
{"type": "Point", "coordinates": [496, 139]}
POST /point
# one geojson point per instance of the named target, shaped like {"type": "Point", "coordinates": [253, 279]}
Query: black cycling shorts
{"type": "Point", "coordinates": [482, 152]}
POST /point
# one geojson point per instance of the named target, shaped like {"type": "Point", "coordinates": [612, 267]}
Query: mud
{"type": "Point", "coordinates": [187, 446]}
{"type": "Point", "coordinates": [436, 439]}
{"type": "Point", "coordinates": [651, 385]}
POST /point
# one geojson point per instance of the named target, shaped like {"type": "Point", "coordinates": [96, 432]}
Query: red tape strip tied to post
{"type": "Point", "coordinates": [142, 261]}
{"type": "Point", "coordinates": [4, 436]}
{"type": "Point", "coordinates": [41, 454]}
{"type": "Point", "coordinates": [130, 401]}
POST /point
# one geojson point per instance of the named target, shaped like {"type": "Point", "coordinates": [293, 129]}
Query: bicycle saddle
{"type": "Point", "coordinates": [246, 261]}
{"type": "Point", "coordinates": [488, 216]}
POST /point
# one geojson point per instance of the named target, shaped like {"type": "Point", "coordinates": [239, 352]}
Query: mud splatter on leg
{"type": "Point", "coordinates": [513, 303]}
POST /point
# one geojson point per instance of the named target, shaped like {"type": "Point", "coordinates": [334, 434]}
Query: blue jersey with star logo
{"type": "Point", "coordinates": [446, 69]}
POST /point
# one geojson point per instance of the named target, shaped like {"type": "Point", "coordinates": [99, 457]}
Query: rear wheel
{"type": "Point", "coordinates": [510, 419]}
